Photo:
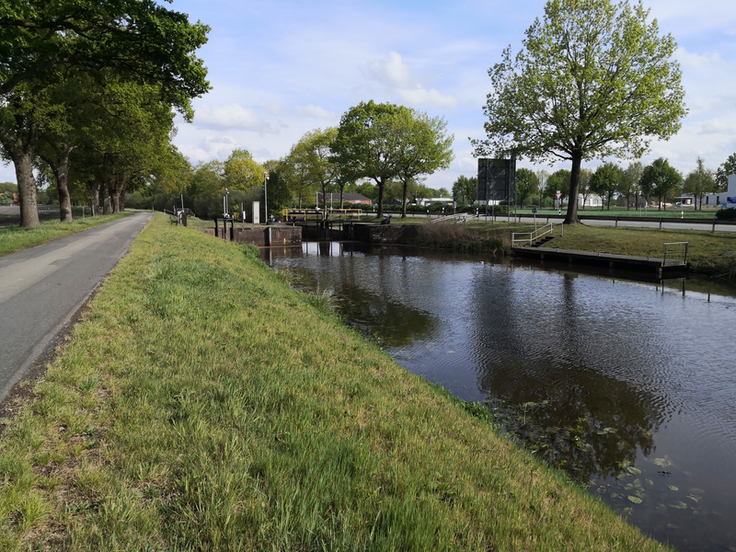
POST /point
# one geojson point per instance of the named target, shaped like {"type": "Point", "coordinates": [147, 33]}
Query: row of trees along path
{"type": "Point", "coordinates": [96, 78]}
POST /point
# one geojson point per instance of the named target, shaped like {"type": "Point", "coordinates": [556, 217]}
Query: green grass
{"type": "Point", "coordinates": [652, 213]}
{"type": "Point", "coordinates": [14, 239]}
{"type": "Point", "coordinates": [709, 253]}
{"type": "Point", "coordinates": [204, 405]}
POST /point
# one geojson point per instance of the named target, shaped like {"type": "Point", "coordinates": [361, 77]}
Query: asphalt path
{"type": "Point", "coordinates": [42, 288]}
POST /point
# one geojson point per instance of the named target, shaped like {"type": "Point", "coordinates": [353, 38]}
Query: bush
{"type": "Point", "coordinates": [726, 214]}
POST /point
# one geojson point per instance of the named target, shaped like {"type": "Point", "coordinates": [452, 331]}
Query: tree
{"type": "Point", "coordinates": [542, 176]}
{"type": "Point", "coordinates": [629, 182]}
{"type": "Point", "coordinates": [367, 145]}
{"type": "Point", "coordinates": [727, 168]}
{"type": "Point", "coordinates": [558, 180]}
{"type": "Point", "coordinates": [594, 79]}
{"type": "Point", "coordinates": [699, 182]}
{"type": "Point", "coordinates": [526, 184]}
{"type": "Point", "coordinates": [659, 179]}
{"type": "Point", "coordinates": [584, 186]}
{"type": "Point", "coordinates": [241, 172]}
{"type": "Point", "coordinates": [39, 41]}
{"type": "Point", "coordinates": [313, 152]}
{"type": "Point", "coordinates": [465, 190]}
{"type": "Point", "coordinates": [605, 182]}
{"type": "Point", "coordinates": [423, 147]}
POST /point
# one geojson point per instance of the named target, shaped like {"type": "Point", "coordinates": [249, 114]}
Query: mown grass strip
{"type": "Point", "coordinates": [13, 238]}
{"type": "Point", "coordinates": [204, 405]}
{"type": "Point", "coordinates": [712, 253]}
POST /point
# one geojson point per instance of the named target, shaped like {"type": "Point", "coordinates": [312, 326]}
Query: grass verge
{"type": "Point", "coordinates": [709, 253]}
{"type": "Point", "coordinates": [14, 239]}
{"type": "Point", "coordinates": [204, 405]}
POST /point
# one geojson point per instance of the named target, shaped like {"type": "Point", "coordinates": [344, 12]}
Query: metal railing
{"type": "Point", "coordinates": [292, 215]}
{"type": "Point", "coordinates": [458, 217]}
{"type": "Point", "coordinates": [675, 249]}
{"type": "Point", "coordinates": [531, 237]}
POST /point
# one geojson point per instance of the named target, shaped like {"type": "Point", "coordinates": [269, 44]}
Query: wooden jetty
{"type": "Point", "coordinates": [657, 266]}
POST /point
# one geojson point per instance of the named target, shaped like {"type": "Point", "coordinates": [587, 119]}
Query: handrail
{"type": "Point", "coordinates": [533, 236]}
{"type": "Point", "coordinates": [681, 251]}
{"type": "Point", "coordinates": [459, 217]}
{"type": "Point", "coordinates": [319, 214]}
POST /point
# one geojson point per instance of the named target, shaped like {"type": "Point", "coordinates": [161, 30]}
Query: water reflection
{"type": "Point", "coordinates": [630, 387]}
{"type": "Point", "coordinates": [533, 346]}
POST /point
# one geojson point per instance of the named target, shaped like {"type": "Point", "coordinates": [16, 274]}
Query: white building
{"type": "Point", "coordinates": [723, 198]}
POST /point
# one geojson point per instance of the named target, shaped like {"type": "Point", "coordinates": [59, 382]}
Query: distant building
{"type": "Point", "coordinates": [430, 200]}
{"type": "Point", "coordinates": [354, 199]}
{"type": "Point", "coordinates": [592, 200]}
{"type": "Point", "coordinates": [716, 200]}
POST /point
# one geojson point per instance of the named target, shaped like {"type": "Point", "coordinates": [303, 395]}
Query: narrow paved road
{"type": "Point", "coordinates": [42, 288]}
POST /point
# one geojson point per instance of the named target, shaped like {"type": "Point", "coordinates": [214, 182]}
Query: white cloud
{"type": "Point", "coordinates": [315, 112]}
{"type": "Point", "coordinates": [395, 75]}
{"type": "Point", "coordinates": [272, 108]}
{"type": "Point", "coordinates": [232, 116]}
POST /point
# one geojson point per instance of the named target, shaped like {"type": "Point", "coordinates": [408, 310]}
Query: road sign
{"type": "Point", "coordinates": [558, 194]}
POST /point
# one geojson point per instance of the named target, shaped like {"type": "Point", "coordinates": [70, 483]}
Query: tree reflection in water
{"type": "Point", "coordinates": [574, 415]}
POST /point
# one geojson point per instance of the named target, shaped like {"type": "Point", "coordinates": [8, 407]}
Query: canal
{"type": "Point", "coordinates": [630, 387]}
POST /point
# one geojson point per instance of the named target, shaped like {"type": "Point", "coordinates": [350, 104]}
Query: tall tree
{"type": "Point", "coordinates": [424, 147]}
{"type": "Point", "coordinates": [367, 145]}
{"type": "Point", "coordinates": [699, 182]}
{"type": "Point", "coordinates": [558, 181]}
{"type": "Point", "coordinates": [313, 152]}
{"type": "Point", "coordinates": [594, 79]}
{"type": "Point", "coordinates": [526, 184]}
{"type": "Point", "coordinates": [584, 187]}
{"type": "Point", "coordinates": [465, 190]}
{"type": "Point", "coordinates": [727, 168]}
{"type": "Point", "coordinates": [605, 182]}
{"type": "Point", "coordinates": [629, 183]}
{"type": "Point", "coordinates": [40, 39]}
{"type": "Point", "coordinates": [242, 172]}
{"type": "Point", "coordinates": [659, 179]}
{"type": "Point", "coordinates": [542, 176]}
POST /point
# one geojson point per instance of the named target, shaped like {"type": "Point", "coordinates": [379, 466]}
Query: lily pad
{"type": "Point", "coordinates": [634, 499]}
{"type": "Point", "coordinates": [673, 488]}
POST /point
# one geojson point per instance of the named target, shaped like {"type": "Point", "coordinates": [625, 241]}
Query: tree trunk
{"type": "Point", "coordinates": [94, 191]}
{"type": "Point", "coordinates": [118, 191]}
{"type": "Point", "coordinates": [572, 206]}
{"type": "Point", "coordinates": [60, 168]}
{"type": "Point", "coordinates": [380, 199]}
{"type": "Point", "coordinates": [403, 199]}
{"type": "Point", "coordinates": [106, 206]}
{"type": "Point", "coordinates": [22, 156]}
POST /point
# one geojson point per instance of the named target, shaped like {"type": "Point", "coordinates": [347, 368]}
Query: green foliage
{"type": "Point", "coordinates": [558, 180]}
{"type": "Point", "coordinates": [241, 172]}
{"type": "Point", "coordinates": [465, 189]}
{"type": "Point", "coordinates": [388, 143]}
{"type": "Point", "coordinates": [727, 168]}
{"type": "Point", "coordinates": [699, 182]}
{"type": "Point", "coordinates": [527, 183]}
{"type": "Point", "coordinates": [659, 179]}
{"type": "Point", "coordinates": [593, 79]}
{"type": "Point", "coordinates": [605, 181]}
{"type": "Point", "coordinates": [726, 214]}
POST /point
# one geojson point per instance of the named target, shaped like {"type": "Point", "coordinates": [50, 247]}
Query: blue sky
{"type": "Point", "coordinates": [281, 68]}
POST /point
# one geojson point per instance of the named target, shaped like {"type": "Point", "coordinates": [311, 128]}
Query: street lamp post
{"type": "Point", "coordinates": [265, 193]}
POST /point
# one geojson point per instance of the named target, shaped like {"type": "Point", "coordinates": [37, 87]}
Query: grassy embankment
{"type": "Point", "coordinates": [709, 253]}
{"type": "Point", "coordinates": [14, 239]}
{"type": "Point", "coordinates": [204, 405]}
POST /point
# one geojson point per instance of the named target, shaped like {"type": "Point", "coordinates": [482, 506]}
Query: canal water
{"type": "Point", "coordinates": [628, 386]}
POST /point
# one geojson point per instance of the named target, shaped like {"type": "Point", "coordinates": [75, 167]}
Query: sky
{"type": "Point", "coordinates": [281, 68]}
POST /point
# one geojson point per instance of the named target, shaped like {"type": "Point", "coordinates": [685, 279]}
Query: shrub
{"type": "Point", "coordinates": [726, 214]}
